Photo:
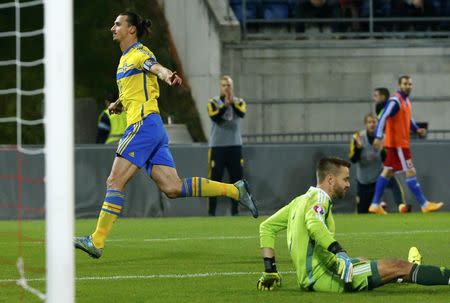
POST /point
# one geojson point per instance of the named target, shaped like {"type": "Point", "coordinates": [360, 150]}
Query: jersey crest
{"type": "Point", "coordinates": [319, 210]}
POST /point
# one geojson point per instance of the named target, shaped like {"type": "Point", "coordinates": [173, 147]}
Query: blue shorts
{"type": "Point", "coordinates": [145, 143]}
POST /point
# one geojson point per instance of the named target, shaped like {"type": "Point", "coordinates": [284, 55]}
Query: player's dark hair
{"type": "Point", "coordinates": [142, 25]}
{"type": "Point", "coordinates": [329, 165]}
{"type": "Point", "coordinates": [400, 79]}
{"type": "Point", "coordinates": [384, 92]}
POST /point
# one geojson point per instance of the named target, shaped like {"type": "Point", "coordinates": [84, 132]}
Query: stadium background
{"type": "Point", "coordinates": [306, 95]}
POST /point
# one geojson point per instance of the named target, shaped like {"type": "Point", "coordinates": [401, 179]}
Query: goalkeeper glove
{"type": "Point", "coordinates": [270, 277]}
{"type": "Point", "coordinates": [268, 281]}
{"type": "Point", "coordinates": [344, 267]}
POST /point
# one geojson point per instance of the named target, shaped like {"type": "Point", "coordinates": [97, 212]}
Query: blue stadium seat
{"type": "Point", "coordinates": [251, 9]}
{"type": "Point", "coordinates": [276, 9]}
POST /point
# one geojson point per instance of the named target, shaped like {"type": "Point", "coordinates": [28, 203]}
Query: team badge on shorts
{"type": "Point", "coordinates": [409, 164]}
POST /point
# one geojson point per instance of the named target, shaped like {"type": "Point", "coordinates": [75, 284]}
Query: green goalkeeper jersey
{"type": "Point", "coordinates": [310, 231]}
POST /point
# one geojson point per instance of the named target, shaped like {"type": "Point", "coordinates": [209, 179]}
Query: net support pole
{"type": "Point", "coordinates": [59, 138]}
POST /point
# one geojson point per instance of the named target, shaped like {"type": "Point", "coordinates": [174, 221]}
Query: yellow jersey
{"type": "Point", "coordinates": [138, 87]}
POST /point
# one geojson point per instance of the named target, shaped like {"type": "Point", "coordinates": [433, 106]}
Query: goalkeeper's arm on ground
{"type": "Point", "coordinates": [270, 278]}
{"type": "Point", "coordinates": [268, 231]}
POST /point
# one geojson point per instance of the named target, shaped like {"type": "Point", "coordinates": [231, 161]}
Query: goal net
{"type": "Point", "coordinates": [36, 162]}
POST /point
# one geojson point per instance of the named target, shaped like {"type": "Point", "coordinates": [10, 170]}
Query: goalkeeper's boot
{"type": "Point", "coordinates": [432, 206]}
{"type": "Point", "coordinates": [404, 208]}
{"type": "Point", "coordinates": [377, 209]}
{"type": "Point", "coordinates": [414, 256]}
{"type": "Point", "coordinates": [245, 198]}
{"type": "Point", "coordinates": [85, 244]}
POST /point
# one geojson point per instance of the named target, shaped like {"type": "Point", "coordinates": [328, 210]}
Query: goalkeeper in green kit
{"type": "Point", "coordinates": [320, 262]}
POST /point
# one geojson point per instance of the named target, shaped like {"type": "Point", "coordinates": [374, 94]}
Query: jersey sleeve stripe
{"type": "Point", "coordinates": [149, 63]}
{"type": "Point", "coordinates": [128, 73]}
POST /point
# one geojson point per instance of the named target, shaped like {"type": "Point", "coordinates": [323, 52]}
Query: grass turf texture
{"type": "Point", "coordinates": [144, 256]}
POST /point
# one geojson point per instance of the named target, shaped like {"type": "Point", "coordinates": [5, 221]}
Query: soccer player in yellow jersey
{"type": "Point", "coordinates": [320, 262]}
{"type": "Point", "coordinates": [145, 143]}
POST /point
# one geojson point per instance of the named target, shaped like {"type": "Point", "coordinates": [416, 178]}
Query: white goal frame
{"type": "Point", "coordinates": [59, 150]}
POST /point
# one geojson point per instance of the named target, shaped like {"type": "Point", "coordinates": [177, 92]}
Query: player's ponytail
{"type": "Point", "coordinates": [146, 24]}
{"type": "Point", "coordinates": [142, 25]}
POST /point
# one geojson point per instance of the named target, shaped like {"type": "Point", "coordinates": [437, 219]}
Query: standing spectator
{"type": "Point", "coordinates": [350, 9]}
{"type": "Point", "coordinates": [398, 120]}
{"type": "Point", "coordinates": [369, 165]}
{"type": "Point", "coordinates": [380, 97]}
{"type": "Point", "coordinates": [416, 8]}
{"type": "Point", "coordinates": [318, 9]}
{"type": "Point", "coordinates": [110, 126]}
{"type": "Point", "coordinates": [225, 142]}
{"type": "Point", "coordinates": [381, 9]}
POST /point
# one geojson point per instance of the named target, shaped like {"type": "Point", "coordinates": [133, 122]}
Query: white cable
{"type": "Point", "coordinates": [22, 282]}
{"type": "Point", "coordinates": [22, 34]}
{"type": "Point", "coordinates": [9, 91]}
{"type": "Point", "coordinates": [21, 121]}
{"type": "Point", "coordinates": [30, 151]}
{"type": "Point", "coordinates": [22, 63]}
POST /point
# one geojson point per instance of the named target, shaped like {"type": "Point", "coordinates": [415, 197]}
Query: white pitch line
{"type": "Point", "coordinates": [144, 277]}
{"type": "Point", "coordinates": [350, 234]}
{"type": "Point", "coordinates": [212, 238]}
{"type": "Point", "coordinates": [202, 238]}
{"type": "Point", "coordinates": [388, 233]}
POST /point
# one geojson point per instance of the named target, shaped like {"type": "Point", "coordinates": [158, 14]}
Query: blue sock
{"type": "Point", "coordinates": [382, 182]}
{"type": "Point", "coordinates": [414, 187]}
{"type": "Point", "coordinates": [186, 188]}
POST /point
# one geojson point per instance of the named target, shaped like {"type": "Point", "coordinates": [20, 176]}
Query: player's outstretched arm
{"type": "Point", "coordinates": [270, 278]}
{"type": "Point", "coordinates": [165, 74]}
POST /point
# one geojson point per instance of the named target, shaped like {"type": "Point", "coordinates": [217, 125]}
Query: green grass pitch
{"type": "Point", "coordinates": [217, 259]}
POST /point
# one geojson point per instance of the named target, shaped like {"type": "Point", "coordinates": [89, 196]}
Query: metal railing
{"type": "Point", "coordinates": [329, 100]}
{"type": "Point", "coordinates": [371, 21]}
{"type": "Point", "coordinates": [327, 137]}
{"type": "Point", "coordinates": [267, 105]}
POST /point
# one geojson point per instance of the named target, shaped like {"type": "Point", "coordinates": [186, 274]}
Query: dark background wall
{"type": "Point", "coordinates": [95, 61]}
{"type": "Point", "coordinates": [277, 174]}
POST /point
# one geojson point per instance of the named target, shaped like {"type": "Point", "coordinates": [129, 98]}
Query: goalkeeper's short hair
{"type": "Point", "coordinates": [329, 165]}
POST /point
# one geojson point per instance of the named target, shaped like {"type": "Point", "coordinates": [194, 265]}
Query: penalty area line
{"type": "Point", "coordinates": [215, 238]}
{"type": "Point", "coordinates": [165, 276]}
{"type": "Point", "coordinates": [346, 234]}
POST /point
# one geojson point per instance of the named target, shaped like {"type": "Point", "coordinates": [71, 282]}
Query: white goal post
{"type": "Point", "coordinates": [59, 148]}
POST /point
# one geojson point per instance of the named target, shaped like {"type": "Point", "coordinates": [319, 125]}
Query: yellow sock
{"type": "Point", "coordinates": [201, 187]}
{"type": "Point", "coordinates": [112, 206]}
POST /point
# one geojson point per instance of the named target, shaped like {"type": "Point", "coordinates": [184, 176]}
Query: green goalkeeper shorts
{"type": "Point", "coordinates": [365, 277]}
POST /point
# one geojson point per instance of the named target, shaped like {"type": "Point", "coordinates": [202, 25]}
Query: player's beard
{"type": "Point", "coordinates": [339, 192]}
